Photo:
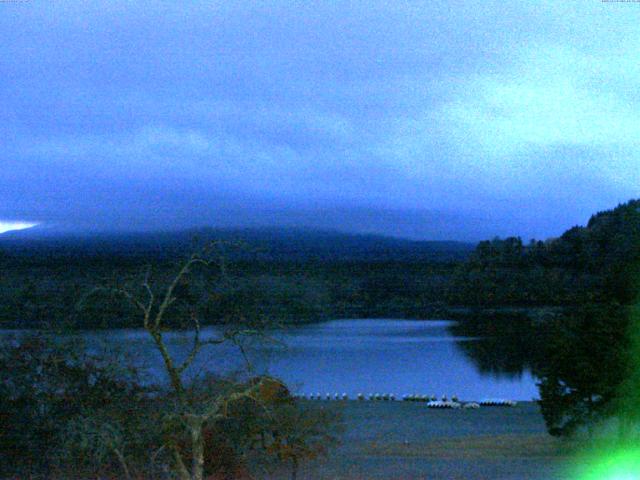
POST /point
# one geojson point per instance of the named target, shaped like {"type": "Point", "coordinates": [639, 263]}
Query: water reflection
{"type": "Point", "coordinates": [508, 345]}
{"type": "Point", "coordinates": [362, 356]}
{"type": "Point", "coordinates": [358, 356]}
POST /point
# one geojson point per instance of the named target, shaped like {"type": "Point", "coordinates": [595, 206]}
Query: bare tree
{"type": "Point", "coordinates": [153, 302]}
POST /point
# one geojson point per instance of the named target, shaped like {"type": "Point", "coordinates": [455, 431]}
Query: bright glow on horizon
{"type": "Point", "coordinates": [10, 226]}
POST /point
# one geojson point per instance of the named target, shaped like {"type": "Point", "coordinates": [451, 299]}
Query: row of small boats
{"type": "Point", "coordinates": [430, 401]}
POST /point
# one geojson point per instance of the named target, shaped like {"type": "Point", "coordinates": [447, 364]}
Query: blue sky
{"type": "Point", "coordinates": [439, 120]}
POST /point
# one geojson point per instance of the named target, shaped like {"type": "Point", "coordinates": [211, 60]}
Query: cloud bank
{"type": "Point", "coordinates": [459, 120]}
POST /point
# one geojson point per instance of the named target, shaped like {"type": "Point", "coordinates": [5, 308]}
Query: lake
{"type": "Point", "coordinates": [349, 356]}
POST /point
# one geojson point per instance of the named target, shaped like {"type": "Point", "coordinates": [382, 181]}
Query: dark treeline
{"type": "Point", "coordinates": [301, 276]}
{"type": "Point", "coordinates": [585, 353]}
{"type": "Point", "coordinates": [593, 264]}
{"type": "Point", "coordinates": [273, 274]}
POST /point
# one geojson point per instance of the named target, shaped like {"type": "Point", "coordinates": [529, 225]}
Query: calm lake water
{"type": "Point", "coordinates": [347, 356]}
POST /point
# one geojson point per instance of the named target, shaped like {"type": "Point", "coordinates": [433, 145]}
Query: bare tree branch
{"type": "Point", "coordinates": [114, 290]}
{"type": "Point", "coordinates": [147, 287]}
{"type": "Point", "coordinates": [197, 345]}
{"type": "Point", "coordinates": [154, 307]}
{"type": "Point", "coordinates": [168, 299]}
{"type": "Point", "coordinates": [183, 473]}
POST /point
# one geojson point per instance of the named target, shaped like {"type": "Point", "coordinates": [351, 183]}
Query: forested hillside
{"type": "Point", "coordinates": [277, 274]}
{"type": "Point", "coordinates": [592, 272]}
{"type": "Point", "coordinates": [304, 275]}
{"type": "Point", "coordinates": [595, 263]}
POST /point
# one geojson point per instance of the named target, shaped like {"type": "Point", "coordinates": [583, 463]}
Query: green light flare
{"type": "Point", "coordinates": [618, 464]}
{"type": "Point", "coordinates": [611, 456]}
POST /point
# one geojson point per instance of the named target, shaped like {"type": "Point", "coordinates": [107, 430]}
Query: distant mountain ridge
{"type": "Point", "coordinates": [269, 244]}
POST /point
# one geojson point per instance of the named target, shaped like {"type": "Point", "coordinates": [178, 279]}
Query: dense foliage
{"type": "Point", "coordinates": [46, 385]}
{"type": "Point", "coordinates": [72, 412]}
{"type": "Point", "coordinates": [584, 353]}
{"type": "Point", "coordinates": [599, 263]}
{"type": "Point", "coordinates": [587, 362]}
{"type": "Point", "coordinates": [42, 283]}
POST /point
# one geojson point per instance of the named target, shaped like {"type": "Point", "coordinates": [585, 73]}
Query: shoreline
{"type": "Point", "coordinates": [453, 313]}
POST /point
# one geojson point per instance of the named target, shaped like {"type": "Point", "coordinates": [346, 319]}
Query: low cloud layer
{"type": "Point", "coordinates": [458, 120]}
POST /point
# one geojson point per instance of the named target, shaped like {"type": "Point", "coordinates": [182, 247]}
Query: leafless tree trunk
{"type": "Point", "coordinates": [294, 468]}
{"type": "Point", "coordinates": [197, 445]}
{"type": "Point", "coordinates": [153, 309]}
{"type": "Point", "coordinates": [123, 463]}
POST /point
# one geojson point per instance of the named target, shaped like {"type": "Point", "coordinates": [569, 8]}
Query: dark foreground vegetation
{"type": "Point", "coordinates": [564, 309]}
{"type": "Point", "coordinates": [69, 411]}
{"type": "Point", "coordinates": [584, 345]}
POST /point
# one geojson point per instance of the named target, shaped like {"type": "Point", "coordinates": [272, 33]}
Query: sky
{"type": "Point", "coordinates": [437, 120]}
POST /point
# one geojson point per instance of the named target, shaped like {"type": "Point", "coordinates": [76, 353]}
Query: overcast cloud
{"type": "Point", "coordinates": [440, 120]}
